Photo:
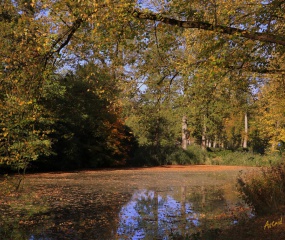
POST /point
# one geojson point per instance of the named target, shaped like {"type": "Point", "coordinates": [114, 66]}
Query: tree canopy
{"type": "Point", "coordinates": [83, 78]}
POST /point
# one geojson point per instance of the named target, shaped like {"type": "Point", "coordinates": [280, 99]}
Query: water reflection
{"type": "Point", "coordinates": [150, 213]}
{"type": "Point", "coordinates": [124, 211]}
{"type": "Point", "coordinates": [183, 211]}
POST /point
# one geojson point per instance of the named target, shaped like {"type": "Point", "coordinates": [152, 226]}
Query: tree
{"type": "Point", "coordinates": [265, 25]}
{"type": "Point", "coordinates": [270, 117]}
{"type": "Point", "coordinates": [201, 60]}
{"type": "Point", "coordinates": [88, 129]}
{"type": "Point", "coordinates": [235, 44]}
{"type": "Point", "coordinates": [23, 134]}
{"type": "Point", "coordinates": [152, 118]}
{"type": "Point", "coordinates": [38, 39]}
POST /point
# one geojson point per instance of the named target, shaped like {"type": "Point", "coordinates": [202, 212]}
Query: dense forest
{"type": "Point", "coordinates": [86, 84]}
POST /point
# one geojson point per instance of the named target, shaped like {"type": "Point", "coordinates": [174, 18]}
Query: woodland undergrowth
{"type": "Point", "coordinates": [263, 190]}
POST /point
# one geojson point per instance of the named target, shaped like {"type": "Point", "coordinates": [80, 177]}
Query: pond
{"type": "Point", "coordinates": [149, 203]}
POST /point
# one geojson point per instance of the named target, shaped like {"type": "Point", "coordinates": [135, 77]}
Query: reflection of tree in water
{"type": "Point", "coordinates": [218, 206]}
{"type": "Point", "coordinates": [77, 212]}
{"type": "Point", "coordinates": [151, 213]}
{"type": "Point", "coordinates": [82, 213]}
{"type": "Point", "coordinates": [183, 211]}
{"type": "Point", "coordinates": [211, 204]}
{"type": "Point", "coordinates": [207, 199]}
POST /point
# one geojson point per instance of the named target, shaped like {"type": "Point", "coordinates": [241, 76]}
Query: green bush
{"type": "Point", "coordinates": [242, 158]}
{"type": "Point", "coordinates": [179, 156]}
{"type": "Point", "coordinates": [193, 155]}
{"type": "Point", "coordinates": [153, 156]}
{"type": "Point", "coordinates": [264, 191]}
{"type": "Point", "coordinates": [199, 155]}
{"type": "Point", "coordinates": [213, 152]}
{"type": "Point", "coordinates": [148, 155]}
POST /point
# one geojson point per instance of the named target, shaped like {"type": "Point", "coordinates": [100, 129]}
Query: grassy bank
{"type": "Point", "coordinates": [213, 156]}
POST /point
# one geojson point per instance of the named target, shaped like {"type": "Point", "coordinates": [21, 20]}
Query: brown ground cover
{"type": "Point", "coordinates": [256, 229]}
{"type": "Point", "coordinates": [68, 191]}
{"type": "Point", "coordinates": [170, 168]}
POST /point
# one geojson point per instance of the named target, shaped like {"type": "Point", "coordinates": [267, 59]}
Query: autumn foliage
{"type": "Point", "coordinates": [84, 83]}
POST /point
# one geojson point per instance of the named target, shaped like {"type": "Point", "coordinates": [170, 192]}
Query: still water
{"type": "Point", "coordinates": [180, 211]}
{"type": "Point", "coordinates": [130, 205]}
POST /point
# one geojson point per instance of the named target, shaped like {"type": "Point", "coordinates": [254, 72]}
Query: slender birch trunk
{"type": "Point", "coordinates": [245, 139]}
{"type": "Point", "coordinates": [184, 133]}
{"type": "Point", "coordinates": [204, 134]}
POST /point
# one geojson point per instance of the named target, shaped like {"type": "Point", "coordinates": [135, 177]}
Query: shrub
{"type": "Point", "coordinates": [242, 158]}
{"type": "Point", "coordinates": [198, 154]}
{"type": "Point", "coordinates": [148, 155]}
{"type": "Point", "coordinates": [193, 155]}
{"type": "Point", "coordinates": [152, 156]}
{"type": "Point", "coordinates": [179, 156]}
{"type": "Point", "coordinates": [264, 191]}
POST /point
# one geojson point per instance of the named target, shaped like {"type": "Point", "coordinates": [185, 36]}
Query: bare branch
{"type": "Point", "coordinates": [262, 37]}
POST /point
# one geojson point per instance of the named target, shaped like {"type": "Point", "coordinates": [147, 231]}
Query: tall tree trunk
{"type": "Point", "coordinates": [215, 142]}
{"type": "Point", "coordinates": [245, 131]}
{"type": "Point", "coordinates": [204, 140]}
{"type": "Point", "coordinates": [184, 133]}
{"type": "Point", "coordinates": [157, 141]}
{"type": "Point", "coordinates": [209, 143]}
{"type": "Point", "coordinates": [222, 144]}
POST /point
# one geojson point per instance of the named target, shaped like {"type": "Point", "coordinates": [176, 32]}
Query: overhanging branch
{"type": "Point", "coordinates": [262, 37]}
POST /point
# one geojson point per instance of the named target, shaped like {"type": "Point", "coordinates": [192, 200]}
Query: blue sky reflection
{"type": "Point", "coordinates": [150, 213]}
